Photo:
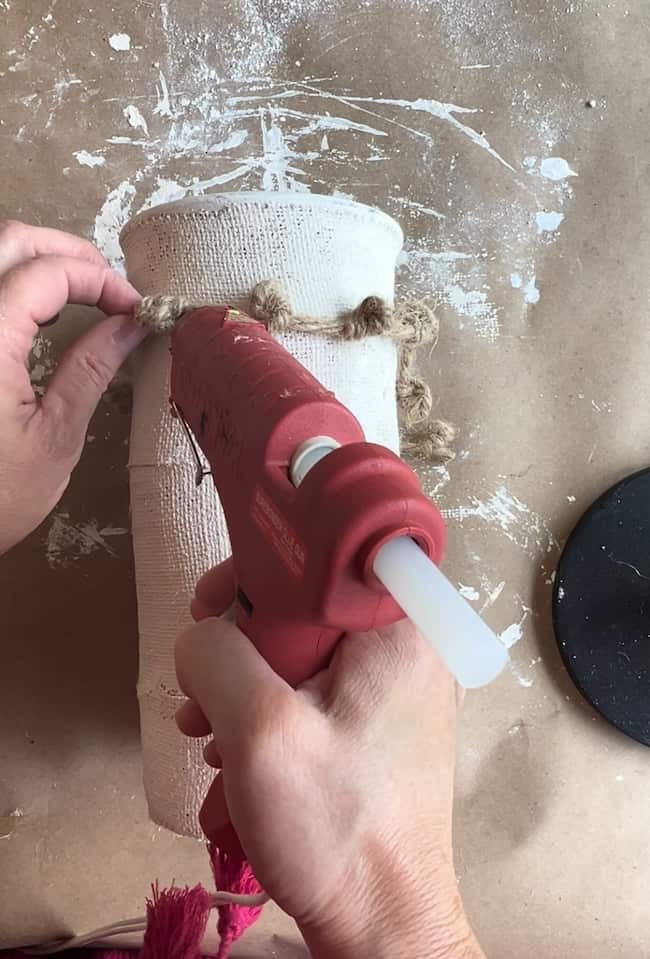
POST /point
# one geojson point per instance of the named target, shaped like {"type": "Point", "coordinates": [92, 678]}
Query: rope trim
{"type": "Point", "coordinates": [412, 323]}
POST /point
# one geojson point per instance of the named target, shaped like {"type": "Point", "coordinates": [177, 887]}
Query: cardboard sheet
{"type": "Point", "coordinates": [511, 141]}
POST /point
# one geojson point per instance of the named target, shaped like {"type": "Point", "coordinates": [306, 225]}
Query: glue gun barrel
{"type": "Point", "coordinates": [469, 649]}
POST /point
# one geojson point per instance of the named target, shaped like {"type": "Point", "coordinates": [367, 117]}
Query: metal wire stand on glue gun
{"type": "Point", "coordinates": [329, 534]}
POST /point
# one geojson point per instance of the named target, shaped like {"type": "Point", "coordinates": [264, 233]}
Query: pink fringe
{"type": "Point", "coordinates": [78, 954]}
{"type": "Point", "coordinates": [233, 874]}
{"type": "Point", "coordinates": [177, 918]}
{"type": "Point", "coordinates": [176, 923]}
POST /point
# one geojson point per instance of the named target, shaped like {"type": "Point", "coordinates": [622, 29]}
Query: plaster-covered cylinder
{"type": "Point", "coordinates": [327, 254]}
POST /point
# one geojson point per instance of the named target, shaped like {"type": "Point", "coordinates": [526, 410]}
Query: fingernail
{"type": "Point", "coordinates": [129, 334]}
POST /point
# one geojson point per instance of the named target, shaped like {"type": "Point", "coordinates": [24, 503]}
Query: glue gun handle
{"type": "Point", "coordinates": [296, 651]}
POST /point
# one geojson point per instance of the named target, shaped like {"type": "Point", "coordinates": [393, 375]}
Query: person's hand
{"type": "Point", "coordinates": [340, 791]}
{"type": "Point", "coordinates": [41, 440]}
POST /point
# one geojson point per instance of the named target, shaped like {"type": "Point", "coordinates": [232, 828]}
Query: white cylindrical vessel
{"type": "Point", "coordinates": [327, 254]}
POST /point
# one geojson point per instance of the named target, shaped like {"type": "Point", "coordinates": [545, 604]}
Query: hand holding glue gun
{"type": "Point", "coordinates": [333, 729]}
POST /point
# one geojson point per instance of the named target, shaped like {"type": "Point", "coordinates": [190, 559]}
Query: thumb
{"type": "Point", "coordinates": [240, 695]}
{"type": "Point", "coordinates": [84, 374]}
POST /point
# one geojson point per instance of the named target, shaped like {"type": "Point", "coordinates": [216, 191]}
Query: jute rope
{"type": "Point", "coordinates": [412, 323]}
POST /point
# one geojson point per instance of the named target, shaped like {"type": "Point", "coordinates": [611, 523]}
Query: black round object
{"type": "Point", "coordinates": [601, 606]}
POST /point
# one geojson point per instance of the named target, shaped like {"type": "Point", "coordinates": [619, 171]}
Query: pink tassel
{"type": "Point", "coordinates": [112, 954]}
{"type": "Point", "coordinates": [176, 923]}
{"type": "Point", "coordinates": [95, 954]}
{"type": "Point", "coordinates": [233, 874]}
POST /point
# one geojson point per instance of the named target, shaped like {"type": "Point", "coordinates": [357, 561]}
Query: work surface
{"type": "Point", "coordinates": [510, 139]}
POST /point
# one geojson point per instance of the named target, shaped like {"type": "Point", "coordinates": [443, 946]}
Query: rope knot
{"type": "Point", "coordinates": [161, 313]}
{"type": "Point", "coordinates": [415, 399]}
{"type": "Point", "coordinates": [431, 442]}
{"type": "Point", "coordinates": [412, 323]}
{"type": "Point", "coordinates": [371, 318]}
{"type": "Point", "coordinates": [416, 322]}
{"type": "Point", "coordinates": [269, 304]}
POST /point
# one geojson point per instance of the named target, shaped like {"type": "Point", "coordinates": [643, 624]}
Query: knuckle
{"type": "Point", "coordinates": [193, 651]}
{"type": "Point", "coordinates": [405, 646]}
{"type": "Point", "coordinates": [60, 442]}
{"type": "Point", "coordinates": [93, 253]}
{"type": "Point", "coordinates": [12, 231]}
{"type": "Point", "coordinates": [270, 723]}
{"type": "Point", "coordinates": [94, 368]}
{"type": "Point", "coordinates": [183, 658]}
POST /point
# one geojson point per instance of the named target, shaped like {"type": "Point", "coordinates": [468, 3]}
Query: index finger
{"type": "Point", "coordinates": [214, 592]}
{"type": "Point", "coordinates": [20, 242]}
{"type": "Point", "coordinates": [221, 671]}
{"type": "Point", "coordinates": [30, 294]}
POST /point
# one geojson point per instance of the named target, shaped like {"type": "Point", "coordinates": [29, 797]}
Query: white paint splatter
{"type": "Point", "coordinates": [276, 156]}
{"type": "Point", "coordinates": [120, 41]}
{"type": "Point", "coordinates": [531, 292]}
{"type": "Point", "coordinates": [468, 592]}
{"type": "Point", "coordinates": [129, 141]}
{"type": "Point", "coordinates": [525, 681]}
{"type": "Point", "coordinates": [442, 111]}
{"type": "Point", "coordinates": [556, 169]}
{"type": "Point", "coordinates": [492, 594]}
{"type": "Point", "coordinates": [602, 407]}
{"type": "Point", "coordinates": [166, 192]}
{"type": "Point", "coordinates": [419, 208]}
{"type": "Point", "coordinates": [8, 823]}
{"type": "Point", "coordinates": [113, 215]}
{"type": "Point", "coordinates": [163, 107]}
{"type": "Point", "coordinates": [84, 158]}
{"type": "Point", "coordinates": [57, 94]}
{"type": "Point", "coordinates": [511, 635]}
{"type": "Point", "coordinates": [449, 273]}
{"type": "Point", "coordinates": [548, 222]}
{"type": "Point", "coordinates": [67, 541]}
{"type": "Point", "coordinates": [447, 112]}
{"type": "Point", "coordinates": [516, 521]}
{"type": "Point", "coordinates": [234, 140]}
{"type": "Point", "coordinates": [277, 160]}
{"type": "Point", "coordinates": [197, 187]}
{"type": "Point", "coordinates": [256, 47]}
{"type": "Point", "coordinates": [135, 118]}
{"type": "Point", "coordinates": [433, 479]}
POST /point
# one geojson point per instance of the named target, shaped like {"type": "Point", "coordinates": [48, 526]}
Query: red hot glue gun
{"type": "Point", "coordinates": [329, 533]}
